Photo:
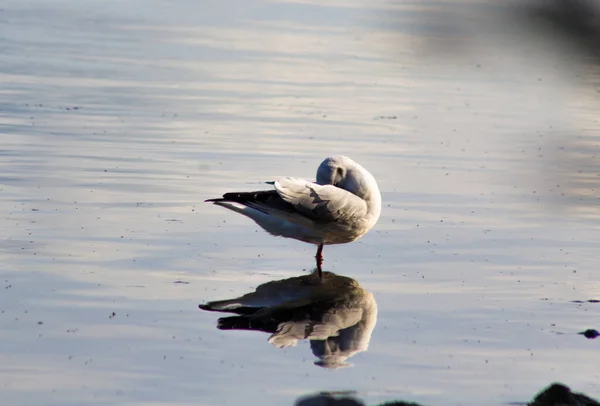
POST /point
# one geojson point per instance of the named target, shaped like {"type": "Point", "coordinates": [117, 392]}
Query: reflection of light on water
{"type": "Point", "coordinates": [336, 314]}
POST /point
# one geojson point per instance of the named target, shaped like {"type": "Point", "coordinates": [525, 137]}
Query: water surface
{"type": "Point", "coordinates": [118, 119]}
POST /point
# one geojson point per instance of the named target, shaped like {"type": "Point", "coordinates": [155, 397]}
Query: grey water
{"type": "Point", "coordinates": [118, 119]}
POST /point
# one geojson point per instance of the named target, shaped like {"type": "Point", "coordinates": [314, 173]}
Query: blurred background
{"type": "Point", "coordinates": [118, 118]}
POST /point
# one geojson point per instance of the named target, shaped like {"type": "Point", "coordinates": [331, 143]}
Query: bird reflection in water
{"type": "Point", "coordinates": [337, 315]}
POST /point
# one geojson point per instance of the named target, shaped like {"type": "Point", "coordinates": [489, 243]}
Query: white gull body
{"type": "Point", "coordinates": [341, 206]}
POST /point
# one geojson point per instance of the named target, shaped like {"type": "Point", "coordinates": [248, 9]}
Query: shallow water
{"type": "Point", "coordinates": [118, 120]}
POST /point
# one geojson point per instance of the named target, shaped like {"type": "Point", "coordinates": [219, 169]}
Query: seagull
{"type": "Point", "coordinates": [340, 207]}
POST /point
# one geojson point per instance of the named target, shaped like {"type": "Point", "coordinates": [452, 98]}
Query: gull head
{"type": "Point", "coordinates": [343, 172]}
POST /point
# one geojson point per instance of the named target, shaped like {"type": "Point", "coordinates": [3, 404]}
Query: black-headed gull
{"type": "Point", "coordinates": [341, 206]}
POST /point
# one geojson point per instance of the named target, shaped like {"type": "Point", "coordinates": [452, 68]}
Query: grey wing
{"type": "Point", "coordinates": [334, 320]}
{"type": "Point", "coordinates": [322, 203]}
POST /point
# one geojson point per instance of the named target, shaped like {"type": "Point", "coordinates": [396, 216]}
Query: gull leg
{"type": "Point", "coordinates": [319, 258]}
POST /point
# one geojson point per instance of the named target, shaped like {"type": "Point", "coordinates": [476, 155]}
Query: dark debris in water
{"type": "Point", "coordinates": [586, 301]}
{"type": "Point", "coordinates": [556, 394]}
{"type": "Point", "coordinates": [559, 394]}
{"type": "Point", "coordinates": [590, 333]}
{"type": "Point", "coordinates": [182, 282]}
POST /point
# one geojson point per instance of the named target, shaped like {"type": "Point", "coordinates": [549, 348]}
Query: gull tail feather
{"type": "Point", "coordinates": [234, 206]}
{"type": "Point", "coordinates": [228, 306]}
{"type": "Point", "coordinates": [234, 323]}
{"type": "Point", "coordinates": [221, 305]}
